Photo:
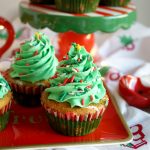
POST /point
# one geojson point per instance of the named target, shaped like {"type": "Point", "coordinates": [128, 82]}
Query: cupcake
{"type": "Point", "coordinates": [76, 99]}
{"type": "Point", "coordinates": [77, 6]}
{"type": "Point", "coordinates": [114, 2]}
{"type": "Point", "coordinates": [42, 1]}
{"type": "Point", "coordinates": [5, 102]}
{"type": "Point", "coordinates": [34, 64]}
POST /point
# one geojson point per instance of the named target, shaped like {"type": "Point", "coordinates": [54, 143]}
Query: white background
{"type": "Point", "coordinates": [9, 9]}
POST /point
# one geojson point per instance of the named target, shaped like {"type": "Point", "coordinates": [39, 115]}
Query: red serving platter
{"type": "Point", "coordinates": [28, 128]}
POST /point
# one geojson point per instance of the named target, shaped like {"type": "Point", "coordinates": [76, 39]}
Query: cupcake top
{"type": "Point", "coordinates": [35, 61]}
{"type": "Point", "coordinates": [77, 80]}
{"type": "Point", "coordinates": [4, 87]}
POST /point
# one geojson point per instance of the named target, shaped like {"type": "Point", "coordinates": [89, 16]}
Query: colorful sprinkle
{"type": "Point", "coordinates": [75, 70]}
{"type": "Point", "coordinates": [82, 101]}
{"type": "Point", "coordinates": [79, 59]}
{"type": "Point", "coordinates": [65, 81]}
{"type": "Point", "coordinates": [35, 53]}
{"type": "Point", "coordinates": [94, 68]}
{"type": "Point", "coordinates": [37, 35]}
{"type": "Point", "coordinates": [72, 79]}
{"type": "Point", "coordinates": [91, 97]}
{"type": "Point", "coordinates": [19, 58]}
{"type": "Point", "coordinates": [65, 57]}
{"type": "Point", "coordinates": [89, 86]}
{"type": "Point", "coordinates": [27, 64]}
{"type": "Point", "coordinates": [21, 74]}
{"type": "Point", "coordinates": [55, 76]}
{"type": "Point", "coordinates": [78, 47]}
{"type": "Point", "coordinates": [81, 81]}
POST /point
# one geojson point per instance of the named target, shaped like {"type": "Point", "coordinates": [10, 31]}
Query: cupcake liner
{"type": "Point", "coordinates": [114, 2]}
{"type": "Point", "coordinates": [74, 125]}
{"type": "Point", "coordinates": [4, 120]}
{"type": "Point", "coordinates": [77, 6]}
{"type": "Point", "coordinates": [27, 96]}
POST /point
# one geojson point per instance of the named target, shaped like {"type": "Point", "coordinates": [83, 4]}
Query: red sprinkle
{"type": "Point", "coordinates": [81, 81]}
{"type": "Point", "coordinates": [89, 86]}
{"type": "Point", "coordinates": [19, 58]}
{"type": "Point", "coordinates": [91, 97]}
{"type": "Point", "coordinates": [55, 76]}
{"type": "Point", "coordinates": [27, 64]}
{"type": "Point", "coordinates": [21, 74]}
{"type": "Point", "coordinates": [94, 68]}
{"type": "Point", "coordinates": [35, 53]}
{"type": "Point", "coordinates": [82, 101]}
{"type": "Point", "coordinates": [72, 79]}
{"type": "Point", "coordinates": [65, 81]}
{"type": "Point", "coordinates": [79, 59]}
{"type": "Point", "coordinates": [76, 69]}
{"type": "Point", "coordinates": [60, 84]}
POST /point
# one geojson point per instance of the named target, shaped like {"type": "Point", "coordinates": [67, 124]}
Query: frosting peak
{"type": "Point", "coordinates": [36, 60]}
{"type": "Point", "coordinates": [77, 80]}
{"type": "Point", "coordinates": [4, 87]}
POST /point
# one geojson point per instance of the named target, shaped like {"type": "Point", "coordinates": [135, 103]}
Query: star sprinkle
{"type": "Point", "coordinates": [37, 35]}
{"type": "Point", "coordinates": [78, 47]}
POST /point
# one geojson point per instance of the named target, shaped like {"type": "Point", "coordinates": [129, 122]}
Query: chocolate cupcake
{"type": "Point", "coordinates": [5, 102]}
{"type": "Point", "coordinates": [34, 64]}
{"type": "Point", "coordinates": [77, 6]}
{"type": "Point", "coordinates": [76, 99]}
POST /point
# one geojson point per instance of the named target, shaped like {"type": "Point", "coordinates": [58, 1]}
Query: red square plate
{"type": "Point", "coordinates": [28, 128]}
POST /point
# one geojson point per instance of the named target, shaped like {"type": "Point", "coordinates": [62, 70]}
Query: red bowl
{"type": "Point", "coordinates": [132, 90]}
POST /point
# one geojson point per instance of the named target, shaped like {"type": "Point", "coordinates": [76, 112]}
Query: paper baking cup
{"type": "Point", "coordinates": [27, 96]}
{"type": "Point", "coordinates": [77, 6]}
{"type": "Point", "coordinates": [74, 125]}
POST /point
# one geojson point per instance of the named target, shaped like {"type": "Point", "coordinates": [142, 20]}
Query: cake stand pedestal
{"type": "Point", "coordinates": [77, 28]}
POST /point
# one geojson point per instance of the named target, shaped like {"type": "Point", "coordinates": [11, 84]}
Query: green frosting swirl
{"type": "Point", "coordinates": [36, 60]}
{"type": "Point", "coordinates": [77, 80]}
{"type": "Point", "coordinates": [4, 87]}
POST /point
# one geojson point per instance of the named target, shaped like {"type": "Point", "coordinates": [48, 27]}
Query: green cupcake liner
{"type": "Point", "coordinates": [77, 6]}
{"type": "Point", "coordinates": [72, 128]}
{"type": "Point", "coordinates": [4, 120]}
{"type": "Point", "coordinates": [114, 2]}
